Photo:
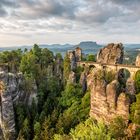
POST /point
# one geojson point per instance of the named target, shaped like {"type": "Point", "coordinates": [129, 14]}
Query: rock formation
{"type": "Point", "coordinates": [111, 54]}
{"type": "Point", "coordinates": [75, 56]}
{"type": "Point", "coordinates": [71, 55]}
{"type": "Point", "coordinates": [107, 101]}
{"type": "Point", "coordinates": [72, 78]}
{"type": "Point", "coordinates": [113, 98]}
{"type": "Point", "coordinates": [58, 68]}
{"type": "Point", "coordinates": [83, 81]}
{"type": "Point", "coordinates": [137, 63]}
{"type": "Point", "coordinates": [12, 92]}
{"type": "Point", "coordinates": [78, 54]}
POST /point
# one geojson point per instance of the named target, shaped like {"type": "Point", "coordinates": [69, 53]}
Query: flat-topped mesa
{"type": "Point", "coordinates": [111, 54]}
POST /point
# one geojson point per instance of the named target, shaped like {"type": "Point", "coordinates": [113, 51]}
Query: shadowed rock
{"type": "Point", "coordinates": [12, 92]}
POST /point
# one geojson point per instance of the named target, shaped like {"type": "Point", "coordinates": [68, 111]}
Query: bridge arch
{"type": "Point", "coordinates": [123, 75]}
{"type": "Point", "coordinates": [91, 67]}
{"type": "Point", "coordinates": [124, 72]}
{"type": "Point", "coordinates": [83, 65]}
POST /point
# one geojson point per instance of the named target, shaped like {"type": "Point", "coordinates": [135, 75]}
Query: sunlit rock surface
{"type": "Point", "coordinates": [111, 54]}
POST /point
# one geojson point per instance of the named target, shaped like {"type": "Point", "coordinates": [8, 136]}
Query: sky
{"type": "Point", "coordinates": [24, 22]}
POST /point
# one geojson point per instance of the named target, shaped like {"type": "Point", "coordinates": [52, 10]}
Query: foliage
{"type": "Point", "coordinates": [75, 106]}
{"type": "Point", "coordinates": [137, 81]}
{"type": "Point", "coordinates": [20, 115]}
{"type": "Point", "coordinates": [12, 58]}
{"type": "Point", "coordinates": [135, 114]}
{"type": "Point", "coordinates": [78, 72]}
{"type": "Point", "coordinates": [25, 132]}
{"type": "Point", "coordinates": [117, 128]}
{"type": "Point", "coordinates": [91, 57]}
{"type": "Point", "coordinates": [62, 110]}
{"type": "Point", "coordinates": [90, 130]}
{"type": "Point", "coordinates": [67, 67]}
{"type": "Point", "coordinates": [37, 131]}
{"type": "Point", "coordinates": [70, 95]}
{"type": "Point", "coordinates": [109, 76]}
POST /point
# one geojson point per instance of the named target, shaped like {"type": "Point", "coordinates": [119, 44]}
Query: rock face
{"type": "Point", "coordinates": [107, 101]}
{"type": "Point", "coordinates": [58, 68]}
{"type": "Point", "coordinates": [75, 56]}
{"type": "Point", "coordinates": [71, 55]}
{"type": "Point", "coordinates": [12, 92]}
{"type": "Point", "coordinates": [78, 54]}
{"type": "Point", "coordinates": [83, 81]}
{"type": "Point", "coordinates": [111, 54]}
{"type": "Point", "coordinates": [72, 78]}
{"type": "Point", "coordinates": [130, 86]}
{"type": "Point", "coordinates": [137, 63]}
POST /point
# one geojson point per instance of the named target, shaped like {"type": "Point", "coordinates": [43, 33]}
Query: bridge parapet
{"type": "Point", "coordinates": [114, 67]}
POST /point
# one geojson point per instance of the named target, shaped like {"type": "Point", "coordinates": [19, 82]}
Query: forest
{"type": "Point", "coordinates": [62, 108]}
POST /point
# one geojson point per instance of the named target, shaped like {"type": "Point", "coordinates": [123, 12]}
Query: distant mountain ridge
{"type": "Point", "coordinates": [86, 46]}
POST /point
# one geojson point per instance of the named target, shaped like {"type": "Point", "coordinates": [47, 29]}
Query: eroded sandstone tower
{"type": "Point", "coordinates": [109, 98]}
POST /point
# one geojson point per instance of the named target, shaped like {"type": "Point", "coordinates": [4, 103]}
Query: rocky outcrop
{"type": "Point", "coordinates": [58, 68]}
{"type": "Point", "coordinates": [71, 55]}
{"type": "Point", "coordinates": [131, 89]}
{"type": "Point", "coordinates": [78, 54]}
{"type": "Point", "coordinates": [83, 81]}
{"type": "Point", "coordinates": [12, 92]}
{"type": "Point", "coordinates": [137, 63]}
{"type": "Point", "coordinates": [74, 57]}
{"type": "Point", "coordinates": [72, 78]}
{"type": "Point", "coordinates": [107, 101]}
{"type": "Point", "coordinates": [111, 54]}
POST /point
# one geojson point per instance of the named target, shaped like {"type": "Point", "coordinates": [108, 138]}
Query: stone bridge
{"type": "Point", "coordinates": [113, 67]}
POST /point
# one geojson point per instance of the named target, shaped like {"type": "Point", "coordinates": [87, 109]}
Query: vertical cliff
{"type": "Point", "coordinates": [111, 96]}
{"type": "Point", "coordinates": [107, 99]}
{"type": "Point", "coordinates": [74, 57]}
{"type": "Point", "coordinates": [137, 63]}
{"type": "Point", "coordinates": [12, 92]}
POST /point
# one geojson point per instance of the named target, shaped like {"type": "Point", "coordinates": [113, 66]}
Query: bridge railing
{"type": "Point", "coordinates": [105, 64]}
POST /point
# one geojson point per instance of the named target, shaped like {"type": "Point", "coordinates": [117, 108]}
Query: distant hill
{"type": "Point", "coordinates": [87, 47]}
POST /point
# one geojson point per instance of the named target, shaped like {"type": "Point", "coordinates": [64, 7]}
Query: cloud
{"type": "Point", "coordinates": [125, 2]}
{"type": "Point", "coordinates": [101, 17]}
{"type": "Point", "coordinates": [45, 9]}
{"type": "Point", "coordinates": [2, 12]}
